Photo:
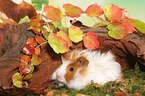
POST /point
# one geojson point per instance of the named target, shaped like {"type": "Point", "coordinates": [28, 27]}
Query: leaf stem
{"type": "Point", "coordinates": [42, 43]}
{"type": "Point", "coordinates": [94, 20]}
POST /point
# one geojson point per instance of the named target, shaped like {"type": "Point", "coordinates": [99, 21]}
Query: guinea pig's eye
{"type": "Point", "coordinates": [71, 69]}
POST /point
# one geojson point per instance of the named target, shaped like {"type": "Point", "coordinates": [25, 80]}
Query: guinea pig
{"type": "Point", "coordinates": [80, 67]}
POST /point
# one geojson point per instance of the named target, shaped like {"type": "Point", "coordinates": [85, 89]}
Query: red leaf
{"type": "Point", "coordinates": [94, 10]}
{"type": "Point", "coordinates": [91, 41]}
{"type": "Point", "coordinates": [102, 21]}
{"type": "Point", "coordinates": [113, 12]}
{"type": "Point", "coordinates": [39, 39]}
{"type": "Point", "coordinates": [53, 13]}
{"type": "Point", "coordinates": [58, 44]}
{"type": "Point", "coordinates": [126, 14]}
{"type": "Point", "coordinates": [119, 29]}
{"type": "Point", "coordinates": [39, 18]}
{"type": "Point", "coordinates": [28, 49]}
{"type": "Point", "coordinates": [37, 50]}
{"type": "Point", "coordinates": [25, 68]}
{"type": "Point", "coordinates": [25, 58]}
{"type": "Point", "coordinates": [35, 26]}
{"type": "Point", "coordinates": [72, 11]}
{"type": "Point", "coordinates": [31, 41]}
{"type": "Point", "coordinates": [65, 37]}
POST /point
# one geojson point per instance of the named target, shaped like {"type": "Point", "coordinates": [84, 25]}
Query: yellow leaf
{"type": "Point", "coordinates": [75, 34]}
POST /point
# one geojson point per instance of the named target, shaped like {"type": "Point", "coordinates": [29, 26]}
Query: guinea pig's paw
{"type": "Point", "coordinates": [60, 84]}
{"type": "Point", "coordinates": [53, 77]}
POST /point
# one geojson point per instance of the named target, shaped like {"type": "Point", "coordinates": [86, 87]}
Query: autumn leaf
{"type": "Point", "coordinates": [24, 19]}
{"type": "Point", "coordinates": [25, 68]}
{"type": "Point", "coordinates": [102, 21]}
{"type": "Point", "coordinates": [50, 93]}
{"type": "Point", "coordinates": [72, 11]}
{"type": "Point", "coordinates": [45, 33]}
{"type": "Point", "coordinates": [37, 50]}
{"type": "Point", "coordinates": [139, 25]}
{"type": "Point", "coordinates": [80, 94]}
{"type": "Point", "coordinates": [28, 49]}
{"type": "Point", "coordinates": [94, 10]}
{"type": "Point", "coordinates": [28, 76]}
{"type": "Point", "coordinates": [35, 26]}
{"type": "Point", "coordinates": [17, 77]}
{"type": "Point", "coordinates": [58, 44]}
{"type": "Point", "coordinates": [25, 58]}
{"type": "Point", "coordinates": [65, 37]}
{"type": "Point", "coordinates": [53, 13]}
{"type": "Point", "coordinates": [119, 29]}
{"type": "Point", "coordinates": [126, 14]}
{"type": "Point", "coordinates": [39, 18]}
{"type": "Point", "coordinates": [91, 41]}
{"type": "Point", "coordinates": [75, 34]}
{"type": "Point", "coordinates": [113, 12]}
{"type": "Point", "coordinates": [35, 60]}
{"type": "Point", "coordinates": [31, 41]}
{"type": "Point", "coordinates": [39, 39]}
{"type": "Point", "coordinates": [18, 84]}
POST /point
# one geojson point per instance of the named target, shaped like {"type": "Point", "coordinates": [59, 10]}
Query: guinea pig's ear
{"type": "Point", "coordinates": [82, 60]}
{"type": "Point", "coordinates": [64, 57]}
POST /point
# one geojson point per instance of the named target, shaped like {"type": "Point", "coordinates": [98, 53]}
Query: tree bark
{"type": "Point", "coordinates": [128, 52]}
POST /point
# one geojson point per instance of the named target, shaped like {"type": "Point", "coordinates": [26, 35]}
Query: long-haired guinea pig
{"type": "Point", "coordinates": [80, 67]}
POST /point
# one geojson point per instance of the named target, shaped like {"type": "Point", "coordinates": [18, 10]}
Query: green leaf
{"type": "Point", "coordinates": [119, 29]}
{"type": "Point", "coordinates": [28, 76]}
{"type": "Point", "coordinates": [17, 77]}
{"type": "Point", "coordinates": [58, 44]}
{"type": "Point", "coordinates": [45, 33]}
{"type": "Point", "coordinates": [91, 41]}
{"type": "Point", "coordinates": [37, 4]}
{"type": "Point", "coordinates": [25, 19]}
{"type": "Point", "coordinates": [139, 25]}
{"type": "Point", "coordinates": [76, 34]}
{"type": "Point", "coordinates": [35, 60]}
{"type": "Point", "coordinates": [17, 84]}
{"type": "Point", "coordinates": [58, 25]}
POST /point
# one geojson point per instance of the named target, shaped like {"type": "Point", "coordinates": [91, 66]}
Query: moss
{"type": "Point", "coordinates": [133, 82]}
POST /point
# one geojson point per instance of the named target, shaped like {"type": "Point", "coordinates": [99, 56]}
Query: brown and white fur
{"type": "Point", "coordinates": [80, 67]}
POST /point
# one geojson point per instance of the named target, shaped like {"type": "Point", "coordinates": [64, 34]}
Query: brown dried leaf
{"type": "Point", "coordinates": [17, 11]}
{"type": "Point", "coordinates": [137, 94]}
{"type": "Point", "coordinates": [50, 93]}
{"type": "Point", "coordinates": [119, 94]}
{"type": "Point", "coordinates": [80, 94]}
{"type": "Point", "coordinates": [64, 94]}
